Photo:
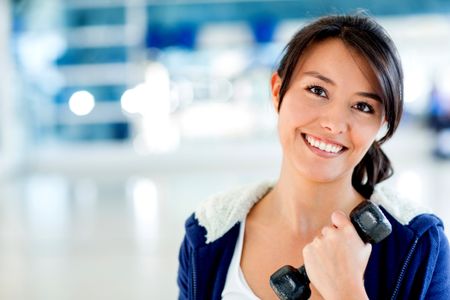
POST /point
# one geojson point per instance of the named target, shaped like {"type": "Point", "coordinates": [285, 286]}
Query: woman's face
{"type": "Point", "coordinates": [331, 112]}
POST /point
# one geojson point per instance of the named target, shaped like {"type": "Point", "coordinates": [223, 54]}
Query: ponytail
{"type": "Point", "coordinates": [372, 169]}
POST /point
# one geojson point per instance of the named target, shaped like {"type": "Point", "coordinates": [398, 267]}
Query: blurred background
{"type": "Point", "coordinates": [118, 117]}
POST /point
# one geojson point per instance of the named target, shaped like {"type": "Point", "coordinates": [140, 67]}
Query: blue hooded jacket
{"type": "Point", "coordinates": [411, 263]}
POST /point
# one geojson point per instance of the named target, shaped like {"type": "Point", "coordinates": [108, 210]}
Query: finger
{"type": "Point", "coordinates": [307, 250]}
{"type": "Point", "coordinates": [326, 230]}
{"type": "Point", "coordinates": [339, 219]}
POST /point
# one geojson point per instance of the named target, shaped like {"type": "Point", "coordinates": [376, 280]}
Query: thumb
{"type": "Point", "coordinates": [340, 219]}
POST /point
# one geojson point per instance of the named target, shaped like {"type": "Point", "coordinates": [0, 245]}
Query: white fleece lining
{"type": "Point", "coordinates": [402, 209]}
{"type": "Point", "coordinates": [221, 212]}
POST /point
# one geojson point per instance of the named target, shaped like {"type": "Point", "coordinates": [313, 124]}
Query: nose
{"type": "Point", "coordinates": [335, 120]}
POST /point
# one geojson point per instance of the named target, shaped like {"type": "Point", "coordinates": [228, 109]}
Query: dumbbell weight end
{"type": "Point", "coordinates": [290, 283]}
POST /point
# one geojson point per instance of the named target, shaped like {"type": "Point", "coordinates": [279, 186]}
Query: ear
{"type": "Point", "coordinates": [275, 83]}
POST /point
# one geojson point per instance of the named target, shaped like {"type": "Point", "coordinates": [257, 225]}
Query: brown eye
{"type": "Point", "coordinates": [317, 90]}
{"type": "Point", "coordinates": [364, 107]}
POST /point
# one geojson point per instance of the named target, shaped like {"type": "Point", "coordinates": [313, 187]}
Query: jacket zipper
{"type": "Point", "coordinates": [194, 277]}
{"type": "Point", "coordinates": [402, 273]}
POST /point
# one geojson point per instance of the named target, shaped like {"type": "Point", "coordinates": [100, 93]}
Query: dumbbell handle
{"type": "Point", "coordinates": [372, 226]}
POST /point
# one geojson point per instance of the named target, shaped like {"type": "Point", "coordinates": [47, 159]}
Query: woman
{"type": "Point", "coordinates": [337, 89]}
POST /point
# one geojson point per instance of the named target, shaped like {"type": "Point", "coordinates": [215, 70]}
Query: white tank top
{"type": "Point", "coordinates": [236, 288]}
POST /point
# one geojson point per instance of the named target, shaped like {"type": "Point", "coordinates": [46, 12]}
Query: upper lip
{"type": "Point", "coordinates": [325, 140]}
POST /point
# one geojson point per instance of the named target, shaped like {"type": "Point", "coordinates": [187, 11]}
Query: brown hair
{"type": "Point", "coordinates": [372, 42]}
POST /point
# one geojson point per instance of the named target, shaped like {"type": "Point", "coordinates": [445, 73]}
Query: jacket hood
{"type": "Point", "coordinates": [222, 211]}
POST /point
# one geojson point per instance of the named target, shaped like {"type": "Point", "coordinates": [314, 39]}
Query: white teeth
{"type": "Point", "coordinates": [323, 146]}
{"type": "Point", "coordinates": [315, 143]}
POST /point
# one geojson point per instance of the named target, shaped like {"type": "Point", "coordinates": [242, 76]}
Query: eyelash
{"type": "Point", "coordinates": [368, 106]}
{"type": "Point", "coordinates": [318, 90]}
{"type": "Point", "coordinates": [310, 88]}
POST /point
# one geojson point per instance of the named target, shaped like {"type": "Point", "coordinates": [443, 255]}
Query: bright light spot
{"type": "Point", "coordinates": [152, 97]}
{"type": "Point", "coordinates": [133, 100]}
{"type": "Point", "coordinates": [229, 64]}
{"type": "Point", "coordinates": [156, 132]}
{"type": "Point", "coordinates": [81, 103]}
{"type": "Point", "coordinates": [416, 91]}
{"type": "Point", "coordinates": [37, 52]}
{"type": "Point", "coordinates": [128, 103]}
{"type": "Point", "coordinates": [217, 119]}
{"type": "Point", "coordinates": [158, 77]}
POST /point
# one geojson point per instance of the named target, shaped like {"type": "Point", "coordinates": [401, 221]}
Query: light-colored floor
{"type": "Point", "coordinates": [115, 235]}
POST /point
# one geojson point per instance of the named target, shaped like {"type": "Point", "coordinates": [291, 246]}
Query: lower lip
{"type": "Point", "coordinates": [319, 152]}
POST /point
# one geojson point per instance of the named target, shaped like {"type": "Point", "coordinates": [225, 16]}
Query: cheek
{"type": "Point", "coordinates": [289, 122]}
{"type": "Point", "coordinates": [364, 136]}
{"type": "Point", "coordinates": [295, 113]}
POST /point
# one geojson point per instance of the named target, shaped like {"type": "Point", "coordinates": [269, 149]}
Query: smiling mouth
{"type": "Point", "coordinates": [323, 146]}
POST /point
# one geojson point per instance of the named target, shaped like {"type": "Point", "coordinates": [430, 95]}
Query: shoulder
{"type": "Point", "coordinates": [415, 228]}
{"type": "Point", "coordinates": [409, 214]}
{"type": "Point", "coordinates": [220, 212]}
{"type": "Point", "coordinates": [409, 261]}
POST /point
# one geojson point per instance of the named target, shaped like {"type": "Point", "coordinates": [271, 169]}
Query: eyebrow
{"type": "Point", "coordinates": [317, 75]}
{"type": "Point", "coordinates": [320, 76]}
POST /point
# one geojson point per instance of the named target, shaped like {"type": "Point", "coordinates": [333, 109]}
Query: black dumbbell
{"type": "Point", "coordinates": [372, 226]}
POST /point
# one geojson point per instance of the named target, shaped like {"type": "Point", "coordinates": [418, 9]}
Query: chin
{"type": "Point", "coordinates": [322, 175]}
{"type": "Point", "coordinates": [328, 178]}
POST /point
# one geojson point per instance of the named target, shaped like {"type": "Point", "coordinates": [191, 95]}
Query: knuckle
{"type": "Point", "coordinates": [348, 229]}
{"type": "Point", "coordinates": [327, 230]}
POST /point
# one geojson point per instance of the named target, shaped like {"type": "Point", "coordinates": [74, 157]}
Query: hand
{"type": "Point", "coordinates": [336, 260]}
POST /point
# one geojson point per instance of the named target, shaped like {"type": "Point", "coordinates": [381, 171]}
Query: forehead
{"type": "Point", "coordinates": [340, 62]}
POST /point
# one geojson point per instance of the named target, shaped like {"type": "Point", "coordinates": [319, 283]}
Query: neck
{"type": "Point", "coordinates": [304, 206]}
